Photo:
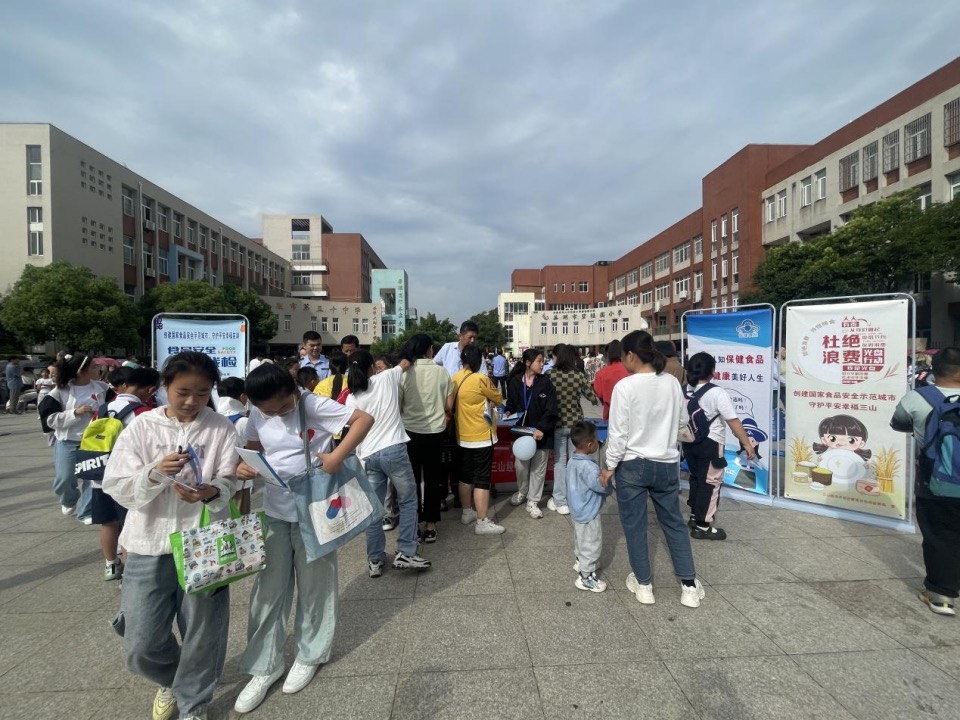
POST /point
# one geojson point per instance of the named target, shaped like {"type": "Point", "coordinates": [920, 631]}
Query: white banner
{"type": "Point", "coordinates": [224, 339]}
{"type": "Point", "coordinates": [845, 371]}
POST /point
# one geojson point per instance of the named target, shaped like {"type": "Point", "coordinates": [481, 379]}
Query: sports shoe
{"type": "Point", "coordinates": [402, 561]}
{"type": "Point", "coordinates": [375, 569]}
{"type": "Point", "coordinates": [468, 516]}
{"type": "Point", "coordinates": [197, 716]}
{"type": "Point", "coordinates": [486, 526]}
{"type": "Point", "coordinates": [691, 595]}
{"type": "Point", "coordinates": [164, 704]}
{"type": "Point", "coordinates": [389, 523]}
{"type": "Point", "coordinates": [87, 521]}
{"type": "Point", "coordinates": [692, 522]}
{"type": "Point", "coordinates": [256, 690]}
{"type": "Point", "coordinates": [591, 582]}
{"type": "Point", "coordinates": [940, 604]}
{"type": "Point", "coordinates": [644, 593]}
{"type": "Point", "coordinates": [429, 536]}
{"type": "Point", "coordinates": [113, 570]}
{"type": "Point", "coordinates": [707, 533]}
{"type": "Point", "coordinates": [535, 512]}
{"type": "Point", "coordinates": [517, 499]}
{"type": "Point", "coordinates": [299, 677]}
{"type": "Point", "coordinates": [551, 505]}
{"type": "Point", "coordinates": [68, 509]}
{"type": "Point", "coordinates": [563, 510]}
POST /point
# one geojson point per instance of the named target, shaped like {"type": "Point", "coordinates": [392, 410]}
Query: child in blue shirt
{"type": "Point", "coordinates": [585, 496]}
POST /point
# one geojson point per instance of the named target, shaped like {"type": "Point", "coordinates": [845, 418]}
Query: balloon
{"type": "Point", "coordinates": [524, 447]}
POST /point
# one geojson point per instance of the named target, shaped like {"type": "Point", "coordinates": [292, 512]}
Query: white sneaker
{"type": "Point", "coordinates": [644, 593]}
{"type": "Point", "coordinates": [87, 521]}
{"type": "Point", "coordinates": [591, 583]}
{"type": "Point", "coordinates": [517, 498]}
{"type": "Point", "coordinates": [255, 691]}
{"type": "Point", "coordinates": [563, 510]}
{"type": "Point", "coordinates": [299, 677]}
{"type": "Point", "coordinates": [469, 515]}
{"type": "Point", "coordinates": [691, 596]}
{"type": "Point", "coordinates": [68, 510]}
{"type": "Point", "coordinates": [486, 526]}
{"type": "Point", "coordinates": [535, 512]}
{"type": "Point", "coordinates": [551, 505]}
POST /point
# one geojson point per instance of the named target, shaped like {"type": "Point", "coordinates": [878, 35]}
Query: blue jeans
{"type": "Point", "coordinates": [65, 481]}
{"type": "Point", "coordinates": [561, 454]}
{"type": "Point", "coordinates": [661, 481]}
{"type": "Point", "coordinates": [151, 601]}
{"type": "Point", "coordinates": [393, 463]}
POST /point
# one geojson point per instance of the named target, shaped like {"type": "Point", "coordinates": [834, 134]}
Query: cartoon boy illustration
{"type": "Point", "coordinates": [756, 436]}
{"type": "Point", "coordinates": [842, 448]}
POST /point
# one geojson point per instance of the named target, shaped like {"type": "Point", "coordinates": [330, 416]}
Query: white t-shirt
{"type": "Point", "coordinates": [449, 358]}
{"type": "Point", "coordinates": [92, 394]}
{"type": "Point", "coordinates": [283, 446]}
{"type": "Point", "coordinates": [716, 401]}
{"type": "Point", "coordinates": [382, 401]}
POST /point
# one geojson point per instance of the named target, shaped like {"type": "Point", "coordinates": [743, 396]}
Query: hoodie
{"type": "Point", "coordinates": [155, 509]}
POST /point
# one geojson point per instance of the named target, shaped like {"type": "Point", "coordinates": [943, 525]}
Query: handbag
{"type": "Point", "coordinates": [332, 509]}
{"type": "Point", "coordinates": [219, 553]}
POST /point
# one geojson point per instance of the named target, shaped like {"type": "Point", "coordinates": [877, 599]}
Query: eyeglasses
{"type": "Point", "coordinates": [281, 413]}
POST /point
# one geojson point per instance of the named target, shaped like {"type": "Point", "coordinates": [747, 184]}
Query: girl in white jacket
{"type": "Point", "coordinates": [157, 444]}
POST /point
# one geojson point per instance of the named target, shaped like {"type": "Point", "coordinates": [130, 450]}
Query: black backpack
{"type": "Point", "coordinates": [699, 424]}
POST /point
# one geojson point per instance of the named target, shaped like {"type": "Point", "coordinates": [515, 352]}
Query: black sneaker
{"type": "Point", "coordinates": [429, 536]}
{"type": "Point", "coordinates": [390, 522]}
{"type": "Point", "coordinates": [708, 533]}
{"type": "Point", "coordinates": [443, 506]}
{"type": "Point", "coordinates": [375, 568]}
{"type": "Point", "coordinates": [692, 522]}
{"type": "Point", "coordinates": [410, 562]}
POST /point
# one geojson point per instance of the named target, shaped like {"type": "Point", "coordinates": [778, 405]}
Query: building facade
{"type": "Point", "coordinates": [390, 289]}
{"type": "Point", "coordinates": [332, 320]}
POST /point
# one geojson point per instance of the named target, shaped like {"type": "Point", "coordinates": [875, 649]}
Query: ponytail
{"type": "Point", "coordinates": [358, 375]}
{"type": "Point", "coordinates": [640, 343]}
{"type": "Point", "coordinates": [69, 367]}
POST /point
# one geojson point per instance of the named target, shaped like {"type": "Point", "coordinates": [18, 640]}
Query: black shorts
{"type": "Point", "coordinates": [476, 465]}
{"type": "Point", "coordinates": [104, 509]}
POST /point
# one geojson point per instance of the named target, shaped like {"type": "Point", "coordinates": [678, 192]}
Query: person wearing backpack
{"type": "Point", "coordinates": [710, 408]}
{"type": "Point", "coordinates": [932, 414]}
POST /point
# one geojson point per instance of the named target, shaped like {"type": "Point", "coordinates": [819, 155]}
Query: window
{"type": "Point", "coordinates": [584, 286]}
{"type": "Point", "coordinates": [613, 325]}
{"type": "Point", "coordinates": [299, 279]}
{"type": "Point", "coordinates": [916, 139]}
{"type": "Point", "coordinates": [162, 218]}
{"type": "Point", "coordinates": [681, 286]}
{"type": "Point", "coordinates": [782, 204]}
{"type": "Point", "coordinates": [356, 325]}
{"type": "Point", "coordinates": [147, 256]}
{"type": "Point", "coordinates": [543, 327]}
{"type": "Point", "coordinates": [576, 327]}
{"type": "Point", "coordinates": [163, 266]}
{"type": "Point", "coordinates": [601, 326]}
{"type": "Point", "coordinates": [954, 181]}
{"type": "Point", "coordinates": [313, 323]}
{"type": "Point", "coordinates": [591, 327]}
{"type": "Point", "coordinates": [323, 324]}
{"type": "Point", "coordinates": [129, 257]}
{"type": "Point", "coordinates": [625, 324]}
{"type": "Point", "coordinates": [335, 325]}
{"type": "Point", "coordinates": [723, 226]}
{"type": "Point", "coordinates": [806, 191]}
{"type": "Point", "coordinates": [564, 327]}
{"type": "Point", "coordinates": [223, 247]}
{"type": "Point", "coordinates": [891, 151]}
{"type": "Point", "coordinates": [286, 323]}
{"type": "Point", "coordinates": [849, 169]}
{"type": "Point", "coordinates": [389, 327]}
{"type": "Point", "coordinates": [35, 231]}
{"type": "Point", "coordinates": [301, 251]}
{"type": "Point", "coordinates": [926, 196]}
{"type": "Point", "coordinates": [127, 201]}
{"type": "Point", "coordinates": [34, 173]}
{"type": "Point", "coordinates": [681, 253]}
{"type": "Point", "coordinates": [870, 168]}
{"type": "Point", "coordinates": [646, 297]}
{"type": "Point", "coordinates": [192, 232]}
{"type": "Point", "coordinates": [146, 209]}
{"type": "Point", "coordinates": [663, 291]}
{"type": "Point", "coordinates": [713, 234]}
{"type": "Point", "coordinates": [300, 225]}
{"type": "Point", "coordinates": [621, 283]}
{"type": "Point", "coordinates": [698, 246]}
{"type": "Point", "coordinates": [735, 262]}
{"type": "Point", "coordinates": [723, 267]}
{"type": "Point", "coordinates": [365, 322]}
{"type": "Point", "coordinates": [821, 181]}
{"type": "Point", "coordinates": [951, 123]}
{"type": "Point", "coordinates": [632, 277]}
{"type": "Point", "coordinates": [177, 225]}
{"type": "Point", "coordinates": [713, 274]}
{"type": "Point", "coordinates": [555, 286]}
{"type": "Point", "coordinates": [646, 270]}
{"type": "Point", "coordinates": [554, 328]}
{"type": "Point", "coordinates": [662, 263]}
{"type": "Point", "coordinates": [771, 205]}
{"type": "Point", "coordinates": [203, 237]}
{"type": "Point", "coordinates": [563, 287]}
{"type": "Point", "coordinates": [735, 224]}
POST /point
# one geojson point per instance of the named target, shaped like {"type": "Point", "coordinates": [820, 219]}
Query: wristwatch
{"type": "Point", "coordinates": [210, 499]}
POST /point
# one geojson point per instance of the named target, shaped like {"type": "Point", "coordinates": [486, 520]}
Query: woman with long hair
{"type": "Point", "coordinates": [609, 375]}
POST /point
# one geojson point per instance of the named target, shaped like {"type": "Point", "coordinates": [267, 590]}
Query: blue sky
{"type": "Point", "coordinates": [462, 139]}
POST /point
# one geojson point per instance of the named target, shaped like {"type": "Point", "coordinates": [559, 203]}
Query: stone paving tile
{"type": "Point", "coordinates": [945, 658]}
{"type": "Point", "coordinates": [899, 554]}
{"type": "Point", "coordinates": [464, 571]}
{"type": "Point", "coordinates": [735, 563]}
{"type": "Point", "coordinates": [22, 637]}
{"type": "Point", "coordinates": [77, 705]}
{"type": "Point", "coordinates": [814, 560]}
{"type": "Point", "coordinates": [472, 695]}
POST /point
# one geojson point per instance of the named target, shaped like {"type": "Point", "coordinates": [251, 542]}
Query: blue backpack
{"type": "Point", "coordinates": [940, 453]}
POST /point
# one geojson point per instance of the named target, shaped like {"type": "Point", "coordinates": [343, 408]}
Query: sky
{"type": "Point", "coordinates": [462, 139]}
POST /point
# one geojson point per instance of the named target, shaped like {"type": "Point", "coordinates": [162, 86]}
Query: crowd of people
{"type": "Point", "coordinates": [424, 427]}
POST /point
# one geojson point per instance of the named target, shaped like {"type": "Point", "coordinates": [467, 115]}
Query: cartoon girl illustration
{"type": "Point", "coordinates": [842, 448]}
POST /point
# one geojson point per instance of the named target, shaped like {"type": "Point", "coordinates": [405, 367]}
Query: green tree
{"type": "Point", "coordinates": [491, 333]}
{"type": "Point", "coordinates": [441, 331]}
{"type": "Point", "coordinates": [9, 343]}
{"type": "Point", "coordinates": [70, 305]}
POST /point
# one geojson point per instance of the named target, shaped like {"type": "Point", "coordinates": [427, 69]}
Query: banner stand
{"type": "Point", "coordinates": [200, 332]}
{"type": "Point", "coordinates": [734, 493]}
{"type": "Point", "coordinates": [903, 526]}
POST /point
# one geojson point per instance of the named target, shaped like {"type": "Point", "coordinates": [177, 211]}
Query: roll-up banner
{"type": "Point", "coordinates": [222, 337]}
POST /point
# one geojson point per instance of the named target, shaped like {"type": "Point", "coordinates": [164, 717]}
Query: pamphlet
{"type": "Point", "coordinates": [258, 462]}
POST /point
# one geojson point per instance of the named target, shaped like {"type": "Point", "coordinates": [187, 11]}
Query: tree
{"type": "Point", "coordinates": [9, 343]}
{"type": "Point", "coordinates": [263, 321]}
{"type": "Point", "coordinates": [70, 305]}
{"type": "Point", "coordinates": [441, 331]}
{"type": "Point", "coordinates": [491, 333]}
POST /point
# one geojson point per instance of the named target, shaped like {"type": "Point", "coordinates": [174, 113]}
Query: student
{"type": "Point", "coordinates": [706, 458]}
{"type": "Point", "coordinates": [153, 448]}
{"type": "Point", "coordinates": [468, 400]}
{"type": "Point", "coordinates": [586, 496]}
{"type": "Point", "coordinates": [67, 410]}
{"type": "Point", "coordinates": [937, 516]}
{"type": "Point", "coordinates": [232, 404]}
{"type": "Point", "coordinates": [140, 385]}
{"type": "Point", "coordinates": [609, 375]}
{"type": "Point", "coordinates": [116, 379]}
{"type": "Point", "coordinates": [382, 363]}
{"type": "Point", "coordinates": [533, 398]}
{"type": "Point", "coordinates": [332, 385]}
{"type": "Point", "coordinates": [44, 385]}
{"type": "Point", "coordinates": [646, 412]}
{"type": "Point", "coordinates": [274, 429]}
{"type": "Point", "coordinates": [292, 365]}
{"type": "Point", "coordinates": [384, 456]}
{"type": "Point", "coordinates": [307, 378]}
{"type": "Point", "coordinates": [570, 383]}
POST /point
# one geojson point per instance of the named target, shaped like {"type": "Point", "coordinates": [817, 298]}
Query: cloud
{"type": "Point", "coordinates": [462, 139]}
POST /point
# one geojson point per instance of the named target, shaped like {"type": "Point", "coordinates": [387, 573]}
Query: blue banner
{"type": "Point", "coordinates": [223, 339]}
{"type": "Point", "coordinates": [742, 343]}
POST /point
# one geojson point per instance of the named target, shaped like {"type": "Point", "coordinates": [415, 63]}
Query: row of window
{"type": "Point", "coordinates": [661, 264]}
{"type": "Point", "coordinates": [582, 286]}
{"type": "Point", "coordinates": [562, 327]}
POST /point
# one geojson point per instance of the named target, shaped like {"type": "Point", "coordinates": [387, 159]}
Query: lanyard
{"type": "Point", "coordinates": [526, 398]}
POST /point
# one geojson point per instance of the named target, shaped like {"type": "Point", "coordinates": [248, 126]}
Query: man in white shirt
{"type": "Point", "coordinates": [449, 355]}
{"type": "Point", "coordinates": [314, 357]}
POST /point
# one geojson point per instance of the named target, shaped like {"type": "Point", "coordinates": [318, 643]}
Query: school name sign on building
{"type": "Point", "coordinates": [223, 338]}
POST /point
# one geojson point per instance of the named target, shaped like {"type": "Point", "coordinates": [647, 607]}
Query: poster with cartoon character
{"type": "Point", "coordinates": [742, 343]}
{"type": "Point", "coordinates": [845, 371]}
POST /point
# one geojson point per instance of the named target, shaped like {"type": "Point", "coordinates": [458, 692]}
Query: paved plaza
{"type": "Point", "coordinates": [804, 617]}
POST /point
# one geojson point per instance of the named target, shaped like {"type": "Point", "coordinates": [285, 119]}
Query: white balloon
{"type": "Point", "coordinates": [524, 447]}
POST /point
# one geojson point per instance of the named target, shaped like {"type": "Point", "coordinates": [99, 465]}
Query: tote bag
{"type": "Point", "coordinates": [332, 509]}
{"type": "Point", "coordinates": [219, 553]}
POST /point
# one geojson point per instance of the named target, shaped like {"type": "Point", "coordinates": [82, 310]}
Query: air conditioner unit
{"type": "Point", "coordinates": [683, 295]}
{"type": "Point", "coordinates": [149, 225]}
{"type": "Point", "coordinates": [656, 306]}
{"type": "Point", "coordinates": [609, 296]}
{"type": "Point", "coordinates": [150, 272]}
